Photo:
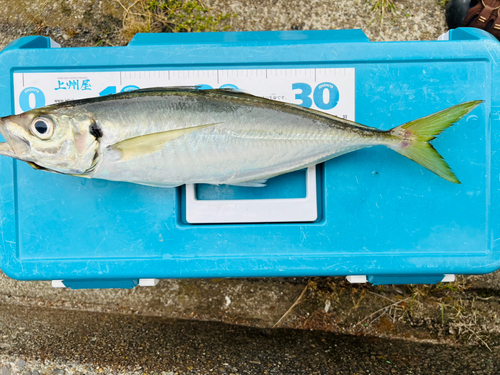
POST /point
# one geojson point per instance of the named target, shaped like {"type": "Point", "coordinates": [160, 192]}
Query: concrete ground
{"type": "Point", "coordinates": [226, 325]}
{"type": "Point", "coordinates": [101, 22]}
{"type": "Point", "coordinates": [52, 341]}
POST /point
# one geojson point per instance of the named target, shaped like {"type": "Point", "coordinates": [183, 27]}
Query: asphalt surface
{"type": "Point", "coordinates": [46, 340]}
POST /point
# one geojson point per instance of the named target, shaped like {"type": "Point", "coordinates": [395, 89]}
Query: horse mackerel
{"type": "Point", "coordinates": [168, 137]}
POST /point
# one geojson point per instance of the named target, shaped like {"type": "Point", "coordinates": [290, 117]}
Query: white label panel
{"type": "Point", "coordinates": [330, 89]}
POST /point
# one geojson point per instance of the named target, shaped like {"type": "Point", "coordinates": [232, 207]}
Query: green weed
{"type": "Point", "coordinates": [383, 7]}
{"type": "Point", "coordinates": [171, 16]}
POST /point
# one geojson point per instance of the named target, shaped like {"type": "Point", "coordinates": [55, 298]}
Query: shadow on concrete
{"type": "Point", "coordinates": [152, 345]}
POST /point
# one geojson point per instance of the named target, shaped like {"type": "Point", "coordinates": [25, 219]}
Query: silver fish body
{"type": "Point", "coordinates": [170, 137]}
{"type": "Point", "coordinates": [248, 140]}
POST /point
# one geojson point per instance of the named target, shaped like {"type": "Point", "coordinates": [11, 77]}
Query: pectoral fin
{"type": "Point", "coordinates": [150, 143]}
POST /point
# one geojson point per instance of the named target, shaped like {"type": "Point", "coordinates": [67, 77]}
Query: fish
{"type": "Point", "coordinates": [168, 137]}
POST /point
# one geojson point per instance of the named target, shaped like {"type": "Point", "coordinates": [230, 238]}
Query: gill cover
{"type": "Point", "coordinates": [56, 139]}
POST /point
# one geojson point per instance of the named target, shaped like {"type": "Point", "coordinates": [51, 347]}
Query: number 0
{"type": "Point", "coordinates": [36, 94]}
{"type": "Point", "coordinates": [333, 96]}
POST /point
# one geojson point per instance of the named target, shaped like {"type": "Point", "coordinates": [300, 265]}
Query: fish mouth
{"type": "Point", "coordinates": [14, 146]}
{"type": "Point", "coordinates": [6, 150]}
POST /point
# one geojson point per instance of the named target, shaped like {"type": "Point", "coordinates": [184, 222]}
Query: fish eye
{"type": "Point", "coordinates": [42, 127]}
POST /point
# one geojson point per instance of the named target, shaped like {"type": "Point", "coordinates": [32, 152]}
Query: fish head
{"type": "Point", "coordinates": [61, 141]}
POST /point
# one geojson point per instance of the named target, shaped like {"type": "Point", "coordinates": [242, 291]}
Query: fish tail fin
{"type": "Point", "coordinates": [415, 137]}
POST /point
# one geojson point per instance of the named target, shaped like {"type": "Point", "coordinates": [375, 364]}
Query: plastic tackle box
{"type": "Point", "coordinates": [369, 215]}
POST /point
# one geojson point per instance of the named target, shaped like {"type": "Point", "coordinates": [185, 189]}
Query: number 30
{"type": "Point", "coordinates": [318, 95]}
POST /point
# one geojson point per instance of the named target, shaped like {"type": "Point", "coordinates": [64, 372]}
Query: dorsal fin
{"type": "Point", "coordinates": [246, 96]}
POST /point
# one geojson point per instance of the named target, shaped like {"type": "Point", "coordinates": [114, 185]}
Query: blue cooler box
{"type": "Point", "coordinates": [370, 215]}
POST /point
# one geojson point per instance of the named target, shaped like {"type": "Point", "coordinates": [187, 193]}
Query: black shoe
{"type": "Point", "coordinates": [481, 14]}
{"type": "Point", "coordinates": [456, 11]}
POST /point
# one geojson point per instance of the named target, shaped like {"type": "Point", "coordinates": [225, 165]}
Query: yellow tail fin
{"type": "Point", "coordinates": [416, 135]}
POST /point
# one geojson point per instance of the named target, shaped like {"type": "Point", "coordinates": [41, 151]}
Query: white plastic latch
{"type": "Point", "coordinates": [58, 284]}
{"type": "Point", "coordinates": [54, 44]}
{"type": "Point", "coordinates": [445, 36]}
{"type": "Point", "coordinates": [357, 279]}
{"type": "Point", "coordinates": [148, 282]}
{"type": "Point", "coordinates": [448, 278]}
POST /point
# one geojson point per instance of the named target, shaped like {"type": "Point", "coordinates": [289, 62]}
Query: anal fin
{"type": "Point", "coordinates": [253, 183]}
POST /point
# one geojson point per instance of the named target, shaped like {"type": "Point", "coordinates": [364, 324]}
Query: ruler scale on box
{"type": "Point", "coordinates": [328, 89]}
{"type": "Point", "coordinates": [331, 90]}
